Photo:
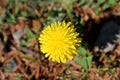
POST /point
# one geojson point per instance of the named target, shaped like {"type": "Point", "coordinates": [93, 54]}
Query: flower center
{"type": "Point", "coordinates": [57, 43]}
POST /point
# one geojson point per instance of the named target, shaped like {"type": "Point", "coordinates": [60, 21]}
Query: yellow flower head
{"type": "Point", "coordinates": [59, 41]}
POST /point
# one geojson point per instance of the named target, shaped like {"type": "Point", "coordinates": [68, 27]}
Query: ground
{"type": "Point", "coordinates": [21, 23]}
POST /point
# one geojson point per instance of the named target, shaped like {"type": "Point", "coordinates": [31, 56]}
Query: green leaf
{"type": "Point", "coordinates": [100, 1]}
{"type": "Point", "coordinates": [10, 20]}
{"type": "Point", "coordinates": [82, 51]}
{"type": "Point", "coordinates": [1, 20]}
{"type": "Point", "coordinates": [30, 34]}
{"type": "Point", "coordinates": [16, 10]}
{"type": "Point", "coordinates": [31, 58]}
{"type": "Point", "coordinates": [88, 4]}
{"type": "Point", "coordinates": [111, 2]}
{"type": "Point", "coordinates": [24, 13]}
{"type": "Point", "coordinates": [10, 17]}
{"type": "Point", "coordinates": [82, 62]}
{"type": "Point", "coordinates": [81, 2]}
{"type": "Point", "coordinates": [23, 1]}
{"type": "Point", "coordinates": [24, 43]}
{"type": "Point", "coordinates": [89, 60]}
{"type": "Point", "coordinates": [106, 6]}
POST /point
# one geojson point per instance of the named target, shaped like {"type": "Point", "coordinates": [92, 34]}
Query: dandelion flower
{"type": "Point", "coordinates": [59, 41]}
